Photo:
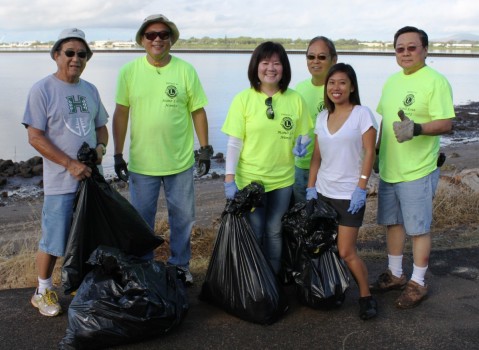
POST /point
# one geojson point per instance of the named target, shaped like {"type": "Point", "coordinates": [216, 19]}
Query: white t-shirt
{"type": "Point", "coordinates": [342, 152]}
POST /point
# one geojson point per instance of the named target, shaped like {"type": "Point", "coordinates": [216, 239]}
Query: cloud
{"type": "Point", "coordinates": [347, 19]}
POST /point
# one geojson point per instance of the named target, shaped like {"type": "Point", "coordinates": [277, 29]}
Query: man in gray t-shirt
{"type": "Point", "coordinates": [62, 112]}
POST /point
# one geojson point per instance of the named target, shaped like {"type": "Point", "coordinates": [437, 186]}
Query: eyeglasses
{"type": "Point", "coordinates": [71, 53]}
{"type": "Point", "coordinates": [269, 111]}
{"type": "Point", "coordinates": [319, 57]}
{"type": "Point", "coordinates": [411, 48]}
{"type": "Point", "coordinates": [164, 35]}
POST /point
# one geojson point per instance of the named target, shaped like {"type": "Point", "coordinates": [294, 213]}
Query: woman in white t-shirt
{"type": "Point", "coordinates": [341, 164]}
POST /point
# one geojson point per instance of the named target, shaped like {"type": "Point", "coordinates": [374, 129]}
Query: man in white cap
{"type": "Point", "coordinates": [62, 112]}
{"type": "Point", "coordinates": [162, 98]}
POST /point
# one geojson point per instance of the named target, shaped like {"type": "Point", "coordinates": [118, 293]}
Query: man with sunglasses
{"type": "Point", "coordinates": [416, 107]}
{"type": "Point", "coordinates": [162, 98]}
{"type": "Point", "coordinates": [63, 111]}
{"type": "Point", "coordinates": [320, 56]}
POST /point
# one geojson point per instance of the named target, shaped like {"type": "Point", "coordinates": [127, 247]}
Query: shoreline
{"type": "Point", "coordinates": [25, 201]}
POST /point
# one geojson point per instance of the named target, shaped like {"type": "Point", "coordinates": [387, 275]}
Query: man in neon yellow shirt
{"type": "Point", "coordinates": [416, 106]}
{"type": "Point", "coordinates": [162, 98]}
{"type": "Point", "coordinates": [320, 56]}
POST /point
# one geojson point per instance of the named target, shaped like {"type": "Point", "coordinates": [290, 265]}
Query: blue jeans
{"type": "Point", "coordinates": [266, 224]}
{"type": "Point", "coordinates": [301, 177]}
{"type": "Point", "coordinates": [180, 202]}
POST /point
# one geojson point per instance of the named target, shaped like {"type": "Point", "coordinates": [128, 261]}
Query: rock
{"type": "Point", "coordinates": [468, 178]}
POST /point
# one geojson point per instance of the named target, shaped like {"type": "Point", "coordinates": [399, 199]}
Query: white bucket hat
{"type": "Point", "coordinates": [71, 33]}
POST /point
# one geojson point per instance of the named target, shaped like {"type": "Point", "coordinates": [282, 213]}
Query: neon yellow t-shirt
{"type": "Point", "coordinates": [161, 101]}
{"type": "Point", "coordinates": [267, 154]}
{"type": "Point", "coordinates": [424, 96]}
{"type": "Point", "coordinates": [314, 97]}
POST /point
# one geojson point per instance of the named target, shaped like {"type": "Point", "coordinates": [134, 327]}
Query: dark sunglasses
{"type": "Point", "coordinates": [164, 35]}
{"type": "Point", "coordinates": [269, 111]}
{"type": "Point", "coordinates": [409, 49]}
{"type": "Point", "coordinates": [71, 53]}
{"type": "Point", "coordinates": [319, 57]}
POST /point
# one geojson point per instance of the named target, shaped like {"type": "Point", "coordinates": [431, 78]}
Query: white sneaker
{"type": "Point", "coordinates": [46, 303]}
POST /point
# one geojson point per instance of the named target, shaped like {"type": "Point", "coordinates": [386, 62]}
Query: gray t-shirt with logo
{"type": "Point", "coordinates": [69, 115]}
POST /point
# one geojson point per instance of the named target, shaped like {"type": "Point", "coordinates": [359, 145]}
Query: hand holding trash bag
{"type": "Point", "coordinates": [121, 168]}
{"type": "Point", "coordinates": [230, 189]}
{"type": "Point", "coordinates": [311, 193]}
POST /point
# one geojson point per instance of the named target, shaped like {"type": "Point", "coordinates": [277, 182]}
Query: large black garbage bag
{"type": "Point", "coordinates": [310, 257]}
{"type": "Point", "coordinates": [122, 300]}
{"type": "Point", "coordinates": [102, 217]}
{"type": "Point", "coordinates": [239, 278]}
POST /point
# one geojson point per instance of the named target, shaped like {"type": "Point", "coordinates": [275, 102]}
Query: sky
{"type": "Point", "coordinates": [42, 20]}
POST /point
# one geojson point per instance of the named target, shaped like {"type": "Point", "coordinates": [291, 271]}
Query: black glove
{"type": "Point", "coordinates": [121, 169]}
{"type": "Point", "coordinates": [204, 156]}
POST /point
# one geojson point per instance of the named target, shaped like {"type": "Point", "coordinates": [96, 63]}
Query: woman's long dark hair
{"type": "Point", "coordinates": [353, 96]}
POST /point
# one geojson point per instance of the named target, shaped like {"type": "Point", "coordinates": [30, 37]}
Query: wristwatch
{"type": "Point", "coordinates": [103, 148]}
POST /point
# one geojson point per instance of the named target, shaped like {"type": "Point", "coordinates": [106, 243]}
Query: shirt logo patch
{"type": "Point", "coordinates": [171, 91]}
{"type": "Point", "coordinates": [409, 100]}
{"type": "Point", "coordinates": [78, 121]}
{"type": "Point", "coordinates": [287, 123]}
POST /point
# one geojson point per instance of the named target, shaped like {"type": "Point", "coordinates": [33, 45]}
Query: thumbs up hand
{"type": "Point", "coordinates": [406, 129]}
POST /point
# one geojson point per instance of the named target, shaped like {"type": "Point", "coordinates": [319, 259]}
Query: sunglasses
{"type": "Point", "coordinates": [71, 53]}
{"type": "Point", "coordinates": [319, 57]}
{"type": "Point", "coordinates": [269, 111]}
{"type": "Point", "coordinates": [164, 35]}
{"type": "Point", "coordinates": [409, 49]}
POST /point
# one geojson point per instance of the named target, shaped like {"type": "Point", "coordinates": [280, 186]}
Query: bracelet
{"type": "Point", "coordinates": [364, 177]}
{"type": "Point", "coordinates": [103, 147]}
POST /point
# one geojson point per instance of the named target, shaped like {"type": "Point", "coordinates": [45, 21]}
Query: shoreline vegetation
{"type": "Point", "coordinates": [351, 52]}
{"type": "Point", "coordinates": [452, 47]}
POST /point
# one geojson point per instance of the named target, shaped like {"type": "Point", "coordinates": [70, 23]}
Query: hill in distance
{"type": "Point", "coordinates": [458, 38]}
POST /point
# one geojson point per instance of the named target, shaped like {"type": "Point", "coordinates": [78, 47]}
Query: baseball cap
{"type": "Point", "coordinates": [175, 34]}
{"type": "Point", "coordinates": [71, 33]}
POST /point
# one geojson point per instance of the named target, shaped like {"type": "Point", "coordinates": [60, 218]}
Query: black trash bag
{"type": "Point", "coordinates": [102, 217]}
{"type": "Point", "coordinates": [321, 281]}
{"type": "Point", "coordinates": [310, 258]}
{"type": "Point", "coordinates": [314, 225]}
{"type": "Point", "coordinates": [124, 299]}
{"type": "Point", "coordinates": [239, 278]}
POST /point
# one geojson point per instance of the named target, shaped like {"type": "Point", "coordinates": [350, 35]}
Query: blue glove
{"type": "Point", "coordinates": [230, 189]}
{"type": "Point", "coordinates": [358, 200]}
{"type": "Point", "coordinates": [311, 193]}
{"type": "Point", "coordinates": [302, 142]}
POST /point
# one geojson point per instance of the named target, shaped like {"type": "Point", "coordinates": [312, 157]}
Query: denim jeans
{"type": "Point", "coordinates": [266, 224]}
{"type": "Point", "coordinates": [408, 203]}
{"type": "Point", "coordinates": [57, 214]}
{"type": "Point", "coordinates": [180, 203]}
{"type": "Point", "coordinates": [301, 177]}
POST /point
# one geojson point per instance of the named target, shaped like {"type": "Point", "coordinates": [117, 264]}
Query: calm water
{"type": "Point", "coordinates": [222, 75]}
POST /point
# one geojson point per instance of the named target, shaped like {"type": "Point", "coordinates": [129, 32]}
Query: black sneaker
{"type": "Point", "coordinates": [368, 308]}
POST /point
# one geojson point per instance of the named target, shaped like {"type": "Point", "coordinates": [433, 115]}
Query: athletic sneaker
{"type": "Point", "coordinates": [411, 296]}
{"type": "Point", "coordinates": [46, 303]}
{"type": "Point", "coordinates": [188, 276]}
{"type": "Point", "coordinates": [387, 281]}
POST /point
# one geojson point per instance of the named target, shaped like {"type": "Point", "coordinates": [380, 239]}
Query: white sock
{"type": "Point", "coordinates": [44, 284]}
{"type": "Point", "coordinates": [418, 274]}
{"type": "Point", "coordinates": [395, 264]}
